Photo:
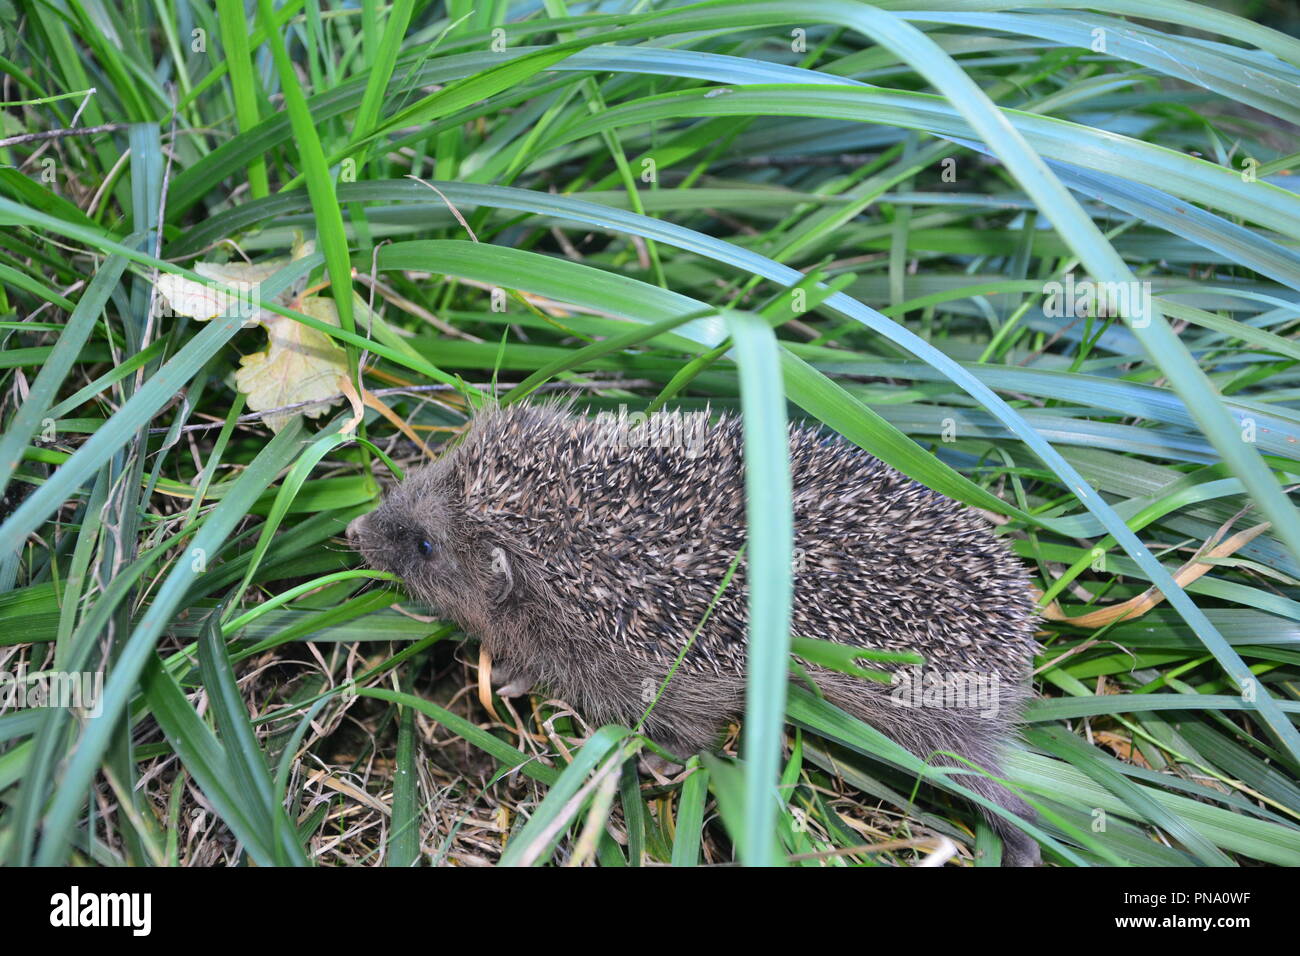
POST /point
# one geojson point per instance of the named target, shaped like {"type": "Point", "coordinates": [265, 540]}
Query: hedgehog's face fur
{"type": "Point", "coordinates": [422, 534]}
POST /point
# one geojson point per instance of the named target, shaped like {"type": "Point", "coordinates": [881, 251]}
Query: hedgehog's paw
{"type": "Point", "coordinates": [516, 688]}
{"type": "Point", "coordinates": [653, 765]}
{"type": "Point", "coordinates": [671, 744]}
{"type": "Point", "coordinates": [1020, 850]}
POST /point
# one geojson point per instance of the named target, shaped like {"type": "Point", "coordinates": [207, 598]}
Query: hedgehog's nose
{"type": "Point", "coordinates": [355, 527]}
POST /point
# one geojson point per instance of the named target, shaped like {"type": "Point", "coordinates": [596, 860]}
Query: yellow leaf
{"type": "Point", "coordinates": [299, 365]}
{"type": "Point", "coordinates": [232, 272]}
{"type": "Point", "coordinates": [203, 301]}
{"type": "Point", "coordinates": [198, 300]}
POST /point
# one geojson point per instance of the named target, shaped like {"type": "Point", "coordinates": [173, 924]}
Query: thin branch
{"type": "Point", "coordinates": [59, 134]}
{"type": "Point", "coordinates": [412, 389]}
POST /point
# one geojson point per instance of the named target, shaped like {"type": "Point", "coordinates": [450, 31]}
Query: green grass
{"type": "Point", "coordinates": [840, 213]}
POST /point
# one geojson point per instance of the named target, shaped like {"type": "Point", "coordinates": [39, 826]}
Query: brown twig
{"type": "Point", "coordinates": [59, 134]}
{"type": "Point", "coordinates": [408, 389]}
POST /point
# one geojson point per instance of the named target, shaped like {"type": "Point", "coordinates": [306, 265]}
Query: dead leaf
{"type": "Point", "coordinates": [1137, 606]}
{"type": "Point", "coordinates": [299, 365]}
{"type": "Point", "coordinates": [358, 407]}
{"type": "Point", "coordinates": [378, 405]}
{"type": "Point", "coordinates": [1121, 746]}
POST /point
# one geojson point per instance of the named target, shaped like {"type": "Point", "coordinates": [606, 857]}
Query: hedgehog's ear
{"type": "Point", "coordinates": [501, 578]}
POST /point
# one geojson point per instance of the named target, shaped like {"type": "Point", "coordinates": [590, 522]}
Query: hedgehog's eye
{"type": "Point", "coordinates": [425, 547]}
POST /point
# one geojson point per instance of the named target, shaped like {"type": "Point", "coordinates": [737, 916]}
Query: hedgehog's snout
{"type": "Point", "coordinates": [361, 538]}
{"type": "Point", "coordinates": [356, 528]}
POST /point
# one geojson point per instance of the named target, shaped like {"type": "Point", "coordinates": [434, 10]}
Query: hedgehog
{"type": "Point", "coordinates": [584, 553]}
